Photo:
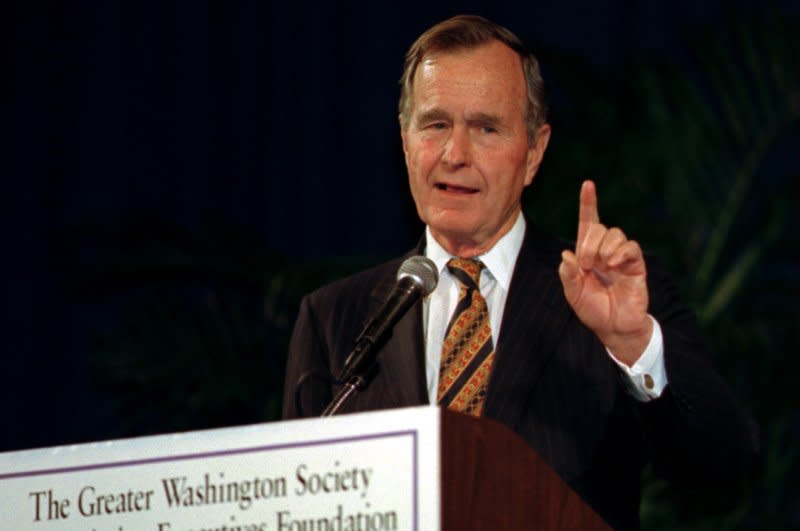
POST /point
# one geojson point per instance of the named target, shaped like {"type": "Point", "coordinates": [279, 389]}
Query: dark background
{"type": "Point", "coordinates": [177, 174]}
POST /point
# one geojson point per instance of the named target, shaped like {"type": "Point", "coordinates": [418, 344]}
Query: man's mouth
{"type": "Point", "coordinates": [456, 189]}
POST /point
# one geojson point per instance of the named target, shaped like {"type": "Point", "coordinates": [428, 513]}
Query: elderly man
{"type": "Point", "coordinates": [581, 349]}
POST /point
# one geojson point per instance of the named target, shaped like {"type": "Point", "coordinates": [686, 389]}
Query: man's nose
{"type": "Point", "coordinates": [457, 150]}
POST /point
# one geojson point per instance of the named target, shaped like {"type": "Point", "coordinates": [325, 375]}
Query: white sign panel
{"type": "Point", "coordinates": [363, 472]}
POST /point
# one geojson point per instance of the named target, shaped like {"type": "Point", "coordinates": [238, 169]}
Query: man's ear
{"type": "Point", "coordinates": [536, 152]}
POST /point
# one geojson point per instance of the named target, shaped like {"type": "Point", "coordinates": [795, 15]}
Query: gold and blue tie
{"type": "Point", "coordinates": [467, 351]}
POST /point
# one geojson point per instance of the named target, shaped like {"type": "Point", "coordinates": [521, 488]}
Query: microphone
{"type": "Point", "coordinates": [416, 278]}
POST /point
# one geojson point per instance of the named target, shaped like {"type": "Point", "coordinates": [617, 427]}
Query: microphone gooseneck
{"type": "Point", "coordinates": [416, 278]}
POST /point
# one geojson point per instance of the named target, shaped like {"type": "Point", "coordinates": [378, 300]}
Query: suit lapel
{"type": "Point", "coordinates": [533, 320]}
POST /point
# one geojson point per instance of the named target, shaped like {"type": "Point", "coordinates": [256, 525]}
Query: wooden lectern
{"type": "Point", "coordinates": [493, 480]}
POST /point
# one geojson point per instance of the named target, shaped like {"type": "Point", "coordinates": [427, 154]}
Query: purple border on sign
{"type": "Point", "coordinates": [239, 451]}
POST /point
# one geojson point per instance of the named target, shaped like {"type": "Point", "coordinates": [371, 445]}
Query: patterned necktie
{"type": "Point", "coordinates": [467, 351]}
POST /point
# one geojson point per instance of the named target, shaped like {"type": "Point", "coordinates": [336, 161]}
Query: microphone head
{"type": "Point", "coordinates": [422, 271]}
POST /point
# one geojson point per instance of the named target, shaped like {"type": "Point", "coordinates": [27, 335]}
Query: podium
{"type": "Point", "coordinates": [419, 468]}
{"type": "Point", "coordinates": [492, 480]}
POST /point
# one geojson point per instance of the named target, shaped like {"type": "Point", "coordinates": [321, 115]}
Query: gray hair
{"type": "Point", "coordinates": [464, 32]}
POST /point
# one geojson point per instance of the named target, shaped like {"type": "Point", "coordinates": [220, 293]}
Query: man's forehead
{"type": "Point", "coordinates": [489, 71]}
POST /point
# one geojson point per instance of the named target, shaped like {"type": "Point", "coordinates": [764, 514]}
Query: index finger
{"type": "Point", "coordinates": [587, 212]}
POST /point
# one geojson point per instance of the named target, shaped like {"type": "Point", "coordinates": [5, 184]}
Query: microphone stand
{"type": "Point", "coordinates": [351, 387]}
{"type": "Point", "coordinates": [362, 359]}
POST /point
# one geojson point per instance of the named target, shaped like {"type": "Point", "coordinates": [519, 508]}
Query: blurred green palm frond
{"type": "Point", "coordinates": [715, 130]}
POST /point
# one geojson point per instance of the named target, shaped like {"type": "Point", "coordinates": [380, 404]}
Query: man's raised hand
{"type": "Point", "coordinates": [605, 282]}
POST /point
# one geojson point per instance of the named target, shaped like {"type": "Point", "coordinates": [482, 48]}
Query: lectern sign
{"type": "Point", "coordinates": [355, 472]}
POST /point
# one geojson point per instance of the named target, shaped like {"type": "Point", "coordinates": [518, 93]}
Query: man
{"type": "Point", "coordinates": [584, 351]}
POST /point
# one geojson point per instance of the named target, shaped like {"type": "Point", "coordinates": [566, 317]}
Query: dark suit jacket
{"type": "Point", "coordinates": [552, 382]}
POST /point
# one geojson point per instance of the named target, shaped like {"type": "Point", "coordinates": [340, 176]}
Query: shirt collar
{"type": "Point", "coordinates": [499, 260]}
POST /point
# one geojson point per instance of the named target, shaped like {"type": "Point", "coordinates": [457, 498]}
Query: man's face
{"type": "Point", "coordinates": [466, 145]}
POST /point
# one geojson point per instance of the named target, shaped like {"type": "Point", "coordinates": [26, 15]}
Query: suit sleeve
{"type": "Point", "coordinates": [697, 426]}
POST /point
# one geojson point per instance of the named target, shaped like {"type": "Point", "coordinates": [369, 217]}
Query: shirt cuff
{"type": "Point", "coordinates": [647, 378]}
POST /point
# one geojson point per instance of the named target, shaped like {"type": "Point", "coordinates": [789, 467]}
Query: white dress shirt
{"type": "Point", "coordinates": [645, 380]}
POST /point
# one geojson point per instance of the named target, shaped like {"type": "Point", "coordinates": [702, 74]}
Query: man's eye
{"type": "Point", "coordinates": [437, 125]}
{"type": "Point", "coordinates": [488, 129]}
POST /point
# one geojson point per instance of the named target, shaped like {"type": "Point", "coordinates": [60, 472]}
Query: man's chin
{"type": "Point", "coordinates": [454, 230]}
{"type": "Point", "coordinates": [455, 238]}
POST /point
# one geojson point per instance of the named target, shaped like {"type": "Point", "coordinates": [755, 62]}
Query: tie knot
{"type": "Point", "coordinates": [467, 271]}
